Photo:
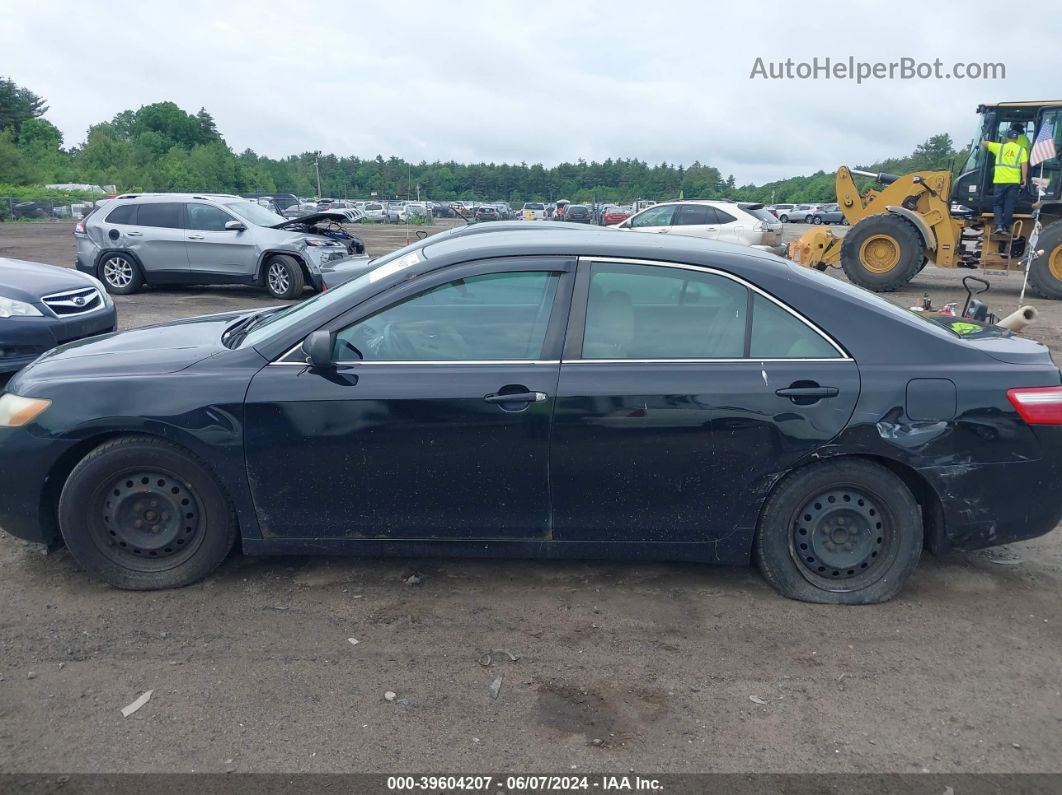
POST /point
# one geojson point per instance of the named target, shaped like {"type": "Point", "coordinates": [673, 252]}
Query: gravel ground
{"type": "Point", "coordinates": [652, 667]}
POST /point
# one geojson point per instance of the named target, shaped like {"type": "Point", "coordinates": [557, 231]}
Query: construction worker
{"type": "Point", "coordinates": [1022, 139]}
{"type": "Point", "coordinates": [1010, 175]}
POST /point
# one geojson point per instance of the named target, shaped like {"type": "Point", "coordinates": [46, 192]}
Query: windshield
{"type": "Point", "coordinates": [345, 293]}
{"type": "Point", "coordinates": [255, 213]}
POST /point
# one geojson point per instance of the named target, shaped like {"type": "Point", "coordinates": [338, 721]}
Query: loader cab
{"type": "Point", "coordinates": [973, 187]}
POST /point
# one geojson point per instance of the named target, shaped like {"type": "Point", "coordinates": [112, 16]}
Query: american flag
{"type": "Point", "coordinates": [1044, 146]}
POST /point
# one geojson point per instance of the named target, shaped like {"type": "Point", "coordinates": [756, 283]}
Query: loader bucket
{"type": "Point", "coordinates": [816, 248]}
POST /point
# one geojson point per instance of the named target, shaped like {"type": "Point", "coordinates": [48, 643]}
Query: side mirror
{"type": "Point", "coordinates": [235, 226]}
{"type": "Point", "coordinates": [318, 349]}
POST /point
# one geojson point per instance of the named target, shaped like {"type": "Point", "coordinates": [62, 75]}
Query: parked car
{"type": "Point", "coordinates": [578, 214]}
{"type": "Point", "coordinates": [374, 211]}
{"type": "Point", "coordinates": [778, 210]}
{"type": "Point", "coordinates": [184, 238]}
{"type": "Point", "coordinates": [798, 213]}
{"type": "Point", "coordinates": [746, 224]}
{"type": "Point", "coordinates": [828, 214]}
{"type": "Point", "coordinates": [697, 403]}
{"type": "Point", "coordinates": [411, 210]}
{"type": "Point", "coordinates": [278, 202]}
{"type": "Point", "coordinates": [42, 306]}
{"type": "Point", "coordinates": [487, 213]}
{"type": "Point", "coordinates": [615, 215]}
{"type": "Point", "coordinates": [533, 211]}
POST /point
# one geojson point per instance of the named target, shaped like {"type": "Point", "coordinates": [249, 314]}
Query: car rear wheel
{"type": "Point", "coordinates": [141, 513]}
{"type": "Point", "coordinates": [839, 532]}
{"type": "Point", "coordinates": [816, 219]}
{"type": "Point", "coordinates": [808, 218]}
{"type": "Point", "coordinates": [120, 274]}
{"type": "Point", "coordinates": [283, 277]}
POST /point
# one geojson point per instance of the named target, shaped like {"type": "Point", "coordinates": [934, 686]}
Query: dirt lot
{"type": "Point", "coordinates": [650, 667]}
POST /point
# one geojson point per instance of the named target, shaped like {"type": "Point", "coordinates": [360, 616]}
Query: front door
{"type": "Point", "coordinates": [436, 422]}
{"type": "Point", "coordinates": [655, 219]}
{"type": "Point", "coordinates": [215, 250]}
{"type": "Point", "coordinates": [688, 394]}
{"type": "Point", "coordinates": [696, 220]}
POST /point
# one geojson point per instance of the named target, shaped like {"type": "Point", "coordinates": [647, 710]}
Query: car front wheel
{"type": "Point", "coordinates": [816, 219]}
{"type": "Point", "coordinates": [839, 532]}
{"type": "Point", "coordinates": [784, 219]}
{"type": "Point", "coordinates": [142, 513]}
{"type": "Point", "coordinates": [283, 277]}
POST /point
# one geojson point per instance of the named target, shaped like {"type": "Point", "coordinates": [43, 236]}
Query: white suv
{"type": "Point", "coordinates": [743, 223]}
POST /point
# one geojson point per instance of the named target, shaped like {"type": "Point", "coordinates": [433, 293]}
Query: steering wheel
{"type": "Point", "coordinates": [395, 344]}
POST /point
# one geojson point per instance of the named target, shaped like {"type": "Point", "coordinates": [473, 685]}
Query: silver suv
{"type": "Point", "coordinates": [184, 238]}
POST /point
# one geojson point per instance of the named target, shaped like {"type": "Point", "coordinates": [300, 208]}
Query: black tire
{"type": "Point", "coordinates": [283, 277]}
{"type": "Point", "coordinates": [816, 219]}
{"type": "Point", "coordinates": [120, 273]}
{"type": "Point", "coordinates": [899, 237]}
{"type": "Point", "coordinates": [925, 261]}
{"type": "Point", "coordinates": [1042, 270]}
{"type": "Point", "coordinates": [115, 490]}
{"type": "Point", "coordinates": [839, 532]}
{"type": "Point", "coordinates": [783, 218]}
{"type": "Point", "coordinates": [807, 219]}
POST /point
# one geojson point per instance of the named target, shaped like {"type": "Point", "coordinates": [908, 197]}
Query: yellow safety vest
{"type": "Point", "coordinates": [1009, 157]}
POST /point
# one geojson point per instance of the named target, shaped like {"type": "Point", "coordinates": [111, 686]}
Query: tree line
{"type": "Point", "coordinates": [161, 147]}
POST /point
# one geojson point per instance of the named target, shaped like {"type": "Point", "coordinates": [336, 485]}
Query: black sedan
{"type": "Point", "coordinates": [42, 306]}
{"type": "Point", "coordinates": [487, 214]}
{"type": "Point", "coordinates": [544, 393]}
{"type": "Point", "coordinates": [578, 214]}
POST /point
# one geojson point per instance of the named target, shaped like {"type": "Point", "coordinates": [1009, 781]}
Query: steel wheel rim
{"type": "Point", "coordinates": [118, 272]}
{"type": "Point", "coordinates": [278, 278]}
{"type": "Point", "coordinates": [842, 538]}
{"type": "Point", "coordinates": [147, 519]}
{"type": "Point", "coordinates": [880, 253]}
{"type": "Point", "coordinates": [1054, 264]}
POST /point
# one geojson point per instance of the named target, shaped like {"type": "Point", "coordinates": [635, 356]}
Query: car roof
{"type": "Point", "coordinates": [164, 197]}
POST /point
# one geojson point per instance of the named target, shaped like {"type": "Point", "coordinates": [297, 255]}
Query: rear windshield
{"type": "Point", "coordinates": [760, 213]}
{"type": "Point", "coordinates": [534, 206]}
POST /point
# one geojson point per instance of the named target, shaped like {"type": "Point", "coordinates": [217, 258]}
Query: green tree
{"type": "Point", "coordinates": [18, 105]}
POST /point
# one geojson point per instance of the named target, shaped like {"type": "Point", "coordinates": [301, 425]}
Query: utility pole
{"type": "Point", "coordinates": [317, 168]}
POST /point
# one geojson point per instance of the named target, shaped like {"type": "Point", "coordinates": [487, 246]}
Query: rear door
{"type": "Point", "coordinates": [695, 220]}
{"type": "Point", "coordinates": [684, 392]}
{"type": "Point", "coordinates": [158, 240]}
{"type": "Point", "coordinates": [436, 422]}
{"type": "Point", "coordinates": [213, 249]}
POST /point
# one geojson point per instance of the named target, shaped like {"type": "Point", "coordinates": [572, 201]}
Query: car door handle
{"type": "Point", "coordinates": [808, 392]}
{"type": "Point", "coordinates": [135, 234]}
{"type": "Point", "coordinates": [518, 397]}
{"type": "Point", "coordinates": [196, 237]}
{"type": "Point", "coordinates": [663, 231]}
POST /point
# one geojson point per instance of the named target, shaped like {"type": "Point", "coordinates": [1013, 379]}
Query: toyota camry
{"type": "Point", "coordinates": [544, 393]}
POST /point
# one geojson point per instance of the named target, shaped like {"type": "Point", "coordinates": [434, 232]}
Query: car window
{"type": "Point", "coordinates": [125, 214]}
{"type": "Point", "coordinates": [777, 334]}
{"type": "Point", "coordinates": [722, 216]}
{"type": "Point", "coordinates": [498, 316]}
{"type": "Point", "coordinates": [161, 214]}
{"type": "Point", "coordinates": [207, 218]}
{"type": "Point", "coordinates": [650, 312]}
{"type": "Point", "coordinates": [690, 214]}
{"type": "Point", "coordinates": [655, 216]}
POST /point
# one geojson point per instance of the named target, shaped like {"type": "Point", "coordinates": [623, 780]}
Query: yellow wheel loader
{"type": "Point", "coordinates": [905, 221]}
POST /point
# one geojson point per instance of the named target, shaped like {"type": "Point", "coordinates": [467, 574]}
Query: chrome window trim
{"type": "Point", "coordinates": [433, 363]}
{"type": "Point", "coordinates": [700, 361]}
{"type": "Point", "coordinates": [708, 269]}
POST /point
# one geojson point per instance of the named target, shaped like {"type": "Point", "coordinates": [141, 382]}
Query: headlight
{"type": "Point", "coordinates": [16, 411]}
{"type": "Point", "coordinates": [9, 307]}
{"type": "Point", "coordinates": [317, 241]}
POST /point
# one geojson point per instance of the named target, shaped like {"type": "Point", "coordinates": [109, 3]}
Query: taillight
{"type": "Point", "coordinates": [80, 228]}
{"type": "Point", "coordinates": [1041, 405]}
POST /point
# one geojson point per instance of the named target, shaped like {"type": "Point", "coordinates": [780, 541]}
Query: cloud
{"type": "Point", "coordinates": [529, 82]}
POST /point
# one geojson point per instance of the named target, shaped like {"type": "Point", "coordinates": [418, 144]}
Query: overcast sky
{"type": "Point", "coordinates": [532, 81]}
